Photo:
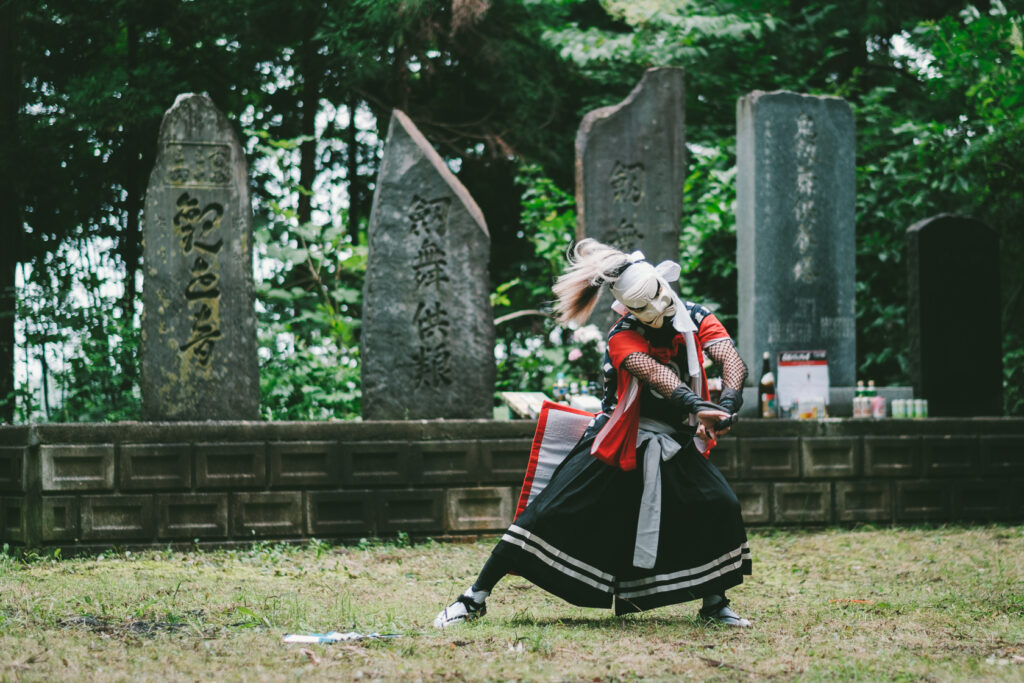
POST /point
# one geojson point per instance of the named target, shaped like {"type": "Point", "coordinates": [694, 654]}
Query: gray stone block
{"type": "Point", "coordinates": [795, 244]}
{"type": "Point", "coordinates": [266, 515]}
{"type": "Point", "coordinates": [803, 503]}
{"type": "Point", "coordinates": [77, 468]}
{"type": "Point", "coordinates": [230, 465]}
{"type": "Point", "coordinates": [1002, 456]}
{"type": "Point", "coordinates": [14, 518]}
{"type": "Point", "coordinates": [725, 456]}
{"type": "Point", "coordinates": [630, 171]}
{"type": "Point", "coordinates": [60, 518]}
{"type": "Point", "coordinates": [341, 513]}
{"type": "Point", "coordinates": [830, 457]}
{"type": "Point", "coordinates": [864, 501]}
{"type": "Point", "coordinates": [420, 510]}
{"type": "Point", "coordinates": [479, 509]}
{"type": "Point", "coordinates": [378, 463]}
{"type": "Point", "coordinates": [770, 458]}
{"type": "Point", "coordinates": [198, 348]}
{"type": "Point", "coordinates": [188, 516]}
{"type": "Point", "coordinates": [503, 461]}
{"type": "Point", "coordinates": [304, 463]}
{"type": "Point", "coordinates": [892, 456]}
{"type": "Point", "coordinates": [950, 456]}
{"type": "Point", "coordinates": [428, 330]}
{"type": "Point", "coordinates": [158, 466]}
{"type": "Point", "coordinates": [982, 500]}
{"type": "Point", "coordinates": [755, 501]}
{"type": "Point", "coordinates": [12, 469]}
{"type": "Point", "coordinates": [117, 518]}
{"type": "Point", "coordinates": [919, 501]}
{"type": "Point", "coordinates": [1016, 501]}
{"type": "Point", "coordinates": [449, 462]}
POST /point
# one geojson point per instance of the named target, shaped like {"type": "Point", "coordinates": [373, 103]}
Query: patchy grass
{"type": "Point", "coordinates": [941, 604]}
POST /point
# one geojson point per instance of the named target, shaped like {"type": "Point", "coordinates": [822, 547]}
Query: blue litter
{"type": "Point", "coordinates": [335, 637]}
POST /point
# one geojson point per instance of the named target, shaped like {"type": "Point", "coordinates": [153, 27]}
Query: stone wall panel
{"type": "Point", "coordinates": [60, 518]}
{"type": "Point", "coordinates": [12, 469]}
{"type": "Point", "coordinates": [420, 510]}
{"type": "Point", "coordinates": [230, 465]}
{"type": "Point", "coordinates": [798, 502]}
{"type": "Point", "coordinates": [378, 463]}
{"type": "Point", "coordinates": [1002, 456]}
{"type": "Point", "coordinates": [68, 467]}
{"type": "Point", "coordinates": [449, 462]}
{"type": "Point", "coordinates": [14, 519]}
{"type": "Point", "coordinates": [345, 514]}
{"type": "Point", "coordinates": [503, 461]}
{"type": "Point", "coordinates": [304, 463]}
{"type": "Point", "coordinates": [160, 466]}
{"type": "Point", "coordinates": [892, 456]}
{"type": "Point", "coordinates": [725, 456]}
{"type": "Point", "coordinates": [117, 518]}
{"type": "Point", "coordinates": [755, 501]}
{"type": "Point", "coordinates": [479, 509]}
{"type": "Point", "coordinates": [830, 457]}
{"type": "Point", "coordinates": [189, 516]}
{"type": "Point", "coordinates": [770, 458]}
{"type": "Point", "coordinates": [950, 456]}
{"type": "Point", "coordinates": [266, 515]}
{"type": "Point", "coordinates": [923, 501]}
{"type": "Point", "coordinates": [864, 501]}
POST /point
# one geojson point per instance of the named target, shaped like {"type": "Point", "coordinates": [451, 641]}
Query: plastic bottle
{"type": "Point", "coordinates": [561, 389]}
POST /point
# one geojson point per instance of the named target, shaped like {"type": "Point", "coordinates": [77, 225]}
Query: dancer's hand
{"type": "Point", "coordinates": [706, 424]}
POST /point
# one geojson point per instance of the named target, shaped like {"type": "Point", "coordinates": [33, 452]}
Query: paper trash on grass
{"type": "Point", "coordinates": [335, 637]}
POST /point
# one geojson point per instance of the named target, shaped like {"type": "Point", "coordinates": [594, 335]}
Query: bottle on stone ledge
{"type": "Point", "coordinates": [768, 402]}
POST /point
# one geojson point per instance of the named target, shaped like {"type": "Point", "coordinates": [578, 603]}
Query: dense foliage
{"type": "Point", "coordinates": [499, 87]}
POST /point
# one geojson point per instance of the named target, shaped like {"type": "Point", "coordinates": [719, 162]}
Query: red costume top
{"type": "Point", "coordinates": [617, 445]}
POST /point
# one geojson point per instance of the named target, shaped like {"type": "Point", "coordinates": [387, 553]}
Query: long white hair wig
{"type": "Point", "coordinates": [591, 265]}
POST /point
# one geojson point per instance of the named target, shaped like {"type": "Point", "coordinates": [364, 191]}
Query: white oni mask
{"type": "Point", "coordinates": [645, 294]}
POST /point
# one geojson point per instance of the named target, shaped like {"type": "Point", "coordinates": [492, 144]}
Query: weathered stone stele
{"type": "Point", "coordinates": [428, 329]}
{"type": "Point", "coordinates": [630, 169]}
{"type": "Point", "coordinates": [795, 243]}
{"type": "Point", "coordinates": [198, 319]}
{"type": "Point", "coordinates": [954, 316]}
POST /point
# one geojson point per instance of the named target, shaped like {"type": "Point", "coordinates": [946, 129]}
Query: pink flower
{"type": "Point", "coordinates": [575, 354]}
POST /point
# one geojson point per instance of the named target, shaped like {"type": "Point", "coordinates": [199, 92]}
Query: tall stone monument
{"type": "Point", "coordinates": [795, 228]}
{"type": "Point", "coordinates": [428, 329]}
{"type": "Point", "coordinates": [630, 170]}
{"type": "Point", "coordinates": [954, 316]}
{"type": "Point", "coordinates": [198, 319]}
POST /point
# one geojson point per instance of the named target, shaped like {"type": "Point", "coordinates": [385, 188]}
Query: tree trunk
{"type": "Point", "coordinates": [10, 217]}
{"type": "Point", "coordinates": [354, 188]}
{"type": "Point", "coordinates": [132, 236]}
{"type": "Point", "coordinates": [310, 103]}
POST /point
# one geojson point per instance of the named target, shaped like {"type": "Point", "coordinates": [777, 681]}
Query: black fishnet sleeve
{"type": "Point", "coordinates": [734, 370]}
{"type": "Point", "coordinates": [652, 372]}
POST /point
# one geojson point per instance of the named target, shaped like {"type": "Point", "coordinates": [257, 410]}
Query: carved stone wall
{"type": "Point", "coordinates": [89, 487]}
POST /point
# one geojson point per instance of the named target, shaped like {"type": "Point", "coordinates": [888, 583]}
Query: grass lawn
{"type": "Point", "coordinates": [941, 604]}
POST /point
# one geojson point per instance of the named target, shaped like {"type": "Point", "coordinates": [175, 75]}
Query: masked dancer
{"type": "Point", "coordinates": [635, 515]}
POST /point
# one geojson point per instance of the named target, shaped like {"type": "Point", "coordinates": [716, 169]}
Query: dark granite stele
{"type": "Point", "coordinates": [89, 487]}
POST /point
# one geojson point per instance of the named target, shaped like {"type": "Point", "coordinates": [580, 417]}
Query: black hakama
{"type": "Point", "coordinates": [576, 538]}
